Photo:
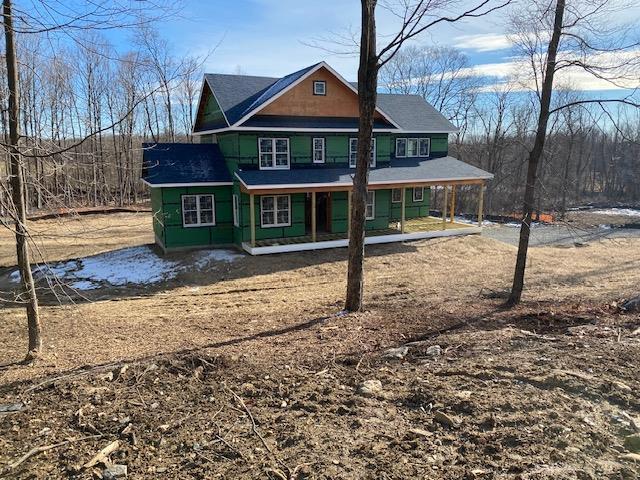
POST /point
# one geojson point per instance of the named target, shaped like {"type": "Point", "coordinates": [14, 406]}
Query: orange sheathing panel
{"type": "Point", "coordinates": [340, 100]}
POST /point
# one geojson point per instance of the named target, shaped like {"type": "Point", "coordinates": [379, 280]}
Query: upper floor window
{"type": "Point", "coordinates": [319, 87]}
{"type": "Point", "coordinates": [353, 152]}
{"type": "Point", "coordinates": [273, 153]}
{"type": "Point", "coordinates": [412, 147]}
{"type": "Point", "coordinates": [370, 212]}
{"type": "Point", "coordinates": [198, 211]}
{"type": "Point", "coordinates": [318, 150]}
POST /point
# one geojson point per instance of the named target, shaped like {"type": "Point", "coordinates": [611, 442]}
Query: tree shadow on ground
{"type": "Point", "coordinates": [56, 291]}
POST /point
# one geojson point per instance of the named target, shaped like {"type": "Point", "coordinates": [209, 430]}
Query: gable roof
{"type": "Point", "coordinates": [180, 164]}
{"type": "Point", "coordinates": [240, 96]}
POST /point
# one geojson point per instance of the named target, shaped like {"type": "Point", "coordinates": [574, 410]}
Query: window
{"type": "Point", "coordinates": [424, 147]}
{"type": "Point", "coordinates": [353, 152]}
{"type": "Point", "coordinates": [275, 211]}
{"type": "Point", "coordinates": [371, 206]}
{"type": "Point", "coordinates": [318, 150]}
{"type": "Point", "coordinates": [273, 153]}
{"type": "Point", "coordinates": [198, 210]}
{"type": "Point", "coordinates": [412, 147]}
{"type": "Point", "coordinates": [418, 194]}
{"type": "Point", "coordinates": [236, 211]}
{"type": "Point", "coordinates": [396, 195]}
{"type": "Point", "coordinates": [319, 87]}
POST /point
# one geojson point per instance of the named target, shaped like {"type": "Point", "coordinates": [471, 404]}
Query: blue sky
{"type": "Point", "coordinates": [273, 37]}
{"type": "Point", "coordinates": [270, 37]}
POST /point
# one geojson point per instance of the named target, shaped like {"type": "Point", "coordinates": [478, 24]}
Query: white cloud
{"type": "Point", "coordinates": [483, 42]}
{"type": "Point", "coordinates": [518, 76]}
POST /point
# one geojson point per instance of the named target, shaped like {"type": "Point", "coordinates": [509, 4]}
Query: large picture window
{"type": "Point", "coordinates": [318, 150]}
{"type": "Point", "coordinates": [273, 153]}
{"type": "Point", "coordinates": [275, 211]}
{"type": "Point", "coordinates": [198, 211]}
{"type": "Point", "coordinates": [413, 147]}
{"type": "Point", "coordinates": [371, 205]}
{"type": "Point", "coordinates": [353, 152]}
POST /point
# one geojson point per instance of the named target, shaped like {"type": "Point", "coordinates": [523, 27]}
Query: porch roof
{"type": "Point", "coordinates": [443, 170]}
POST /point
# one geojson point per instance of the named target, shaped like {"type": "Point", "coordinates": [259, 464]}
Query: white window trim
{"type": "Point", "coordinates": [373, 206]}
{"type": "Point", "coordinates": [324, 87]}
{"type": "Point", "coordinates": [373, 161]}
{"type": "Point", "coordinates": [428, 140]}
{"type": "Point", "coordinates": [197, 196]}
{"type": "Point", "coordinates": [273, 153]}
{"type": "Point", "coordinates": [405, 147]}
{"type": "Point", "coordinates": [418, 189]}
{"type": "Point", "coordinates": [236, 209]}
{"type": "Point", "coordinates": [313, 150]}
{"type": "Point", "coordinates": [275, 212]}
{"type": "Point", "coordinates": [401, 191]}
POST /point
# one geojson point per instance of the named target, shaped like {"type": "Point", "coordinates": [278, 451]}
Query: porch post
{"type": "Point", "coordinates": [252, 210]}
{"type": "Point", "coordinates": [480, 204]}
{"type": "Point", "coordinates": [453, 203]}
{"type": "Point", "coordinates": [313, 216]}
{"type": "Point", "coordinates": [404, 201]}
{"type": "Point", "coordinates": [444, 207]}
{"type": "Point", "coordinates": [348, 213]}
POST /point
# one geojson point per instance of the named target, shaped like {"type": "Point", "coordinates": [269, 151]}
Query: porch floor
{"type": "Point", "coordinates": [414, 225]}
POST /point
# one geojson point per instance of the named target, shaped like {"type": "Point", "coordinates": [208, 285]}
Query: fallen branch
{"type": "Point", "coordinates": [254, 427]}
{"type": "Point", "coordinates": [102, 455]}
{"type": "Point", "coordinates": [46, 448]}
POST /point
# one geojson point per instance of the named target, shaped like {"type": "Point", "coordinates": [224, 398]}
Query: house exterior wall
{"type": "Point", "coordinates": [168, 227]}
{"type": "Point", "coordinates": [296, 229]}
{"type": "Point", "coordinates": [412, 209]}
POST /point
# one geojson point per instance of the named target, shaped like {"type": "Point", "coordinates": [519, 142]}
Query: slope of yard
{"type": "Point", "coordinates": [246, 368]}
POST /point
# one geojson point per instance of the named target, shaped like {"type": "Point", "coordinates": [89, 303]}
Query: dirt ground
{"type": "Point", "coordinates": [72, 237]}
{"type": "Point", "coordinates": [248, 370]}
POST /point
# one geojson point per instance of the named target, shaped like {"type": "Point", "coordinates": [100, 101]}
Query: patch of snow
{"type": "Point", "coordinates": [84, 285]}
{"type": "Point", "coordinates": [485, 223]}
{"type": "Point", "coordinates": [130, 265]}
{"type": "Point", "coordinates": [207, 257]}
{"type": "Point", "coordinates": [135, 265]}
{"type": "Point", "coordinates": [624, 212]}
{"type": "Point", "coordinates": [604, 227]}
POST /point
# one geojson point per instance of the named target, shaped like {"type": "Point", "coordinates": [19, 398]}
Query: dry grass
{"type": "Point", "coordinates": [72, 237]}
{"type": "Point", "coordinates": [249, 306]}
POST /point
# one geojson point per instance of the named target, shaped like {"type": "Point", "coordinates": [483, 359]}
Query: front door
{"type": "Point", "coordinates": [323, 212]}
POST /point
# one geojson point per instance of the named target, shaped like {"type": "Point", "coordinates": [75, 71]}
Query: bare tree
{"type": "Point", "coordinates": [416, 18]}
{"type": "Point", "coordinates": [17, 188]}
{"type": "Point", "coordinates": [579, 37]}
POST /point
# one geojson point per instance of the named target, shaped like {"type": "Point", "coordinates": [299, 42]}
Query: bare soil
{"type": "Point", "coordinates": [248, 370]}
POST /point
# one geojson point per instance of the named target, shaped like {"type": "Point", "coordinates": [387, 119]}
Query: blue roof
{"type": "Point", "coordinates": [400, 171]}
{"type": "Point", "coordinates": [238, 98]}
{"type": "Point", "coordinates": [175, 163]}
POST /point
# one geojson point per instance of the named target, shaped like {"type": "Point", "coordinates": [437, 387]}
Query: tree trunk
{"type": "Point", "coordinates": [534, 157]}
{"type": "Point", "coordinates": [367, 86]}
{"type": "Point", "coordinates": [17, 191]}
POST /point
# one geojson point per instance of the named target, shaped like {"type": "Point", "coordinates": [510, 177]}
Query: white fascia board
{"type": "Point", "coordinates": [192, 184]}
{"type": "Point", "coordinates": [305, 76]}
{"type": "Point", "coordinates": [285, 186]}
{"type": "Point", "coordinates": [318, 130]}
